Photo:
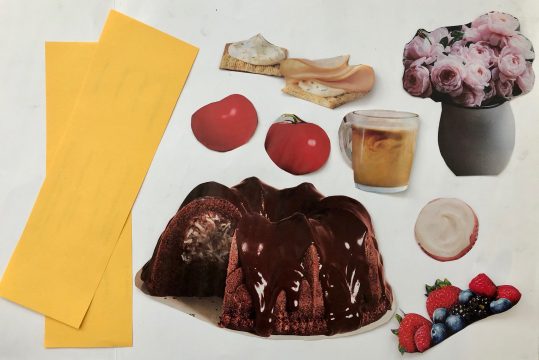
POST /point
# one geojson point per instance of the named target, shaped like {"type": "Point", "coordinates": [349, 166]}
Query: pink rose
{"type": "Point", "coordinates": [459, 49]}
{"type": "Point", "coordinates": [416, 81]}
{"type": "Point", "coordinates": [511, 63]}
{"type": "Point", "coordinates": [523, 45]}
{"type": "Point", "coordinates": [421, 47]}
{"type": "Point", "coordinates": [491, 90]}
{"type": "Point", "coordinates": [526, 80]}
{"type": "Point", "coordinates": [447, 75]}
{"type": "Point", "coordinates": [417, 48]}
{"type": "Point", "coordinates": [483, 53]}
{"type": "Point", "coordinates": [470, 97]}
{"type": "Point", "coordinates": [502, 24]}
{"type": "Point", "coordinates": [476, 75]}
{"type": "Point", "coordinates": [471, 34]}
{"type": "Point", "coordinates": [480, 21]}
{"type": "Point", "coordinates": [494, 27]}
{"type": "Point", "coordinates": [504, 88]}
{"type": "Point", "coordinates": [412, 63]}
{"type": "Point", "coordinates": [436, 35]}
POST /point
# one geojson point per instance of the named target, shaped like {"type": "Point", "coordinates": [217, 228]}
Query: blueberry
{"type": "Point", "coordinates": [438, 333]}
{"type": "Point", "coordinates": [454, 323]}
{"type": "Point", "coordinates": [500, 305]}
{"type": "Point", "coordinates": [439, 315]}
{"type": "Point", "coordinates": [465, 296]}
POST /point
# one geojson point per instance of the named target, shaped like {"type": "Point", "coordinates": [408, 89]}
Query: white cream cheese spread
{"type": "Point", "coordinates": [257, 51]}
{"type": "Point", "coordinates": [315, 88]}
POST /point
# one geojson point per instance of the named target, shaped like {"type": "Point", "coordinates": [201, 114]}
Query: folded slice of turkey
{"type": "Point", "coordinates": [334, 73]}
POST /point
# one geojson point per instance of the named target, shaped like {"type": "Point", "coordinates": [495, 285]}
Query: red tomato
{"type": "Point", "coordinates": [296, 146]}
{"type": "Point", "coordinates": [226, 124]}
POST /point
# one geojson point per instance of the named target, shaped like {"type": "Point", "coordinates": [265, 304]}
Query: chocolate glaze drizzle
{"type": "Point", "coordinates": [273, 237]}
{"type": "Point", "coordinates": [271, 255]}
{"type": "Point", "coordinates": [344, 274]}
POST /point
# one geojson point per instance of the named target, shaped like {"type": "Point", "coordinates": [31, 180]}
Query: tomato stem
{"type": "Point", "coordinates": [292, 118]}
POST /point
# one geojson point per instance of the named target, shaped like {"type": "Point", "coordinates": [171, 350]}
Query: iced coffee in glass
{"type": "Point", "coordinates": [380, 145]}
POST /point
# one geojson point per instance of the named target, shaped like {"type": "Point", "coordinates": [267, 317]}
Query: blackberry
{"type": "Point", "coordinates": [476, 308]}
{"type": "Point", "coordinates": [481, 308]}
{"type": "Point", "coordinates": [464, 311]}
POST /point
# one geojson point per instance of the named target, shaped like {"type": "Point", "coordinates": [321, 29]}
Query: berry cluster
{"type": "Point", "coordinates": [476, 308]}
{"type": "Point", "coordinates": [451, 310]}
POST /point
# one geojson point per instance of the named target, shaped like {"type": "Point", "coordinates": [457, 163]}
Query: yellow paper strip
{"type": "Point", "coordinates": [123, 108]}
{"type": "Point", "coordinates": [109, 320]}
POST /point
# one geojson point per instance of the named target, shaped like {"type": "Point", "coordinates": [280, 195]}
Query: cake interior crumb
{"type": "Point", "coordinates": [208, 236]}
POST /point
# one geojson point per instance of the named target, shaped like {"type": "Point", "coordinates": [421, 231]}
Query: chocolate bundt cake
{"type": "Point", "coordinates": [285, 261]}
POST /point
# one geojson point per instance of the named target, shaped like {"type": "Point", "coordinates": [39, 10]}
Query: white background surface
{"type": "Point", "coordinates": [373, 32]}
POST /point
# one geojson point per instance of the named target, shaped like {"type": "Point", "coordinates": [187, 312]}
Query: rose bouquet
{"type": "Point", "coordinates": [479, 64]}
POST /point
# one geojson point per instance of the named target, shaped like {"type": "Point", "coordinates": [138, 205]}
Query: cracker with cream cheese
{"type": "Point", "coordinates": [255, 55]}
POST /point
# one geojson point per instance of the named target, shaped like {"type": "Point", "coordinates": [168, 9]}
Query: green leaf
{"type": "Point", "coordinates": [401, 350]}
{"type": "Point", "coordinates": [444, 41]}
{"type": "Point", "coordinates": [457, 35]}
{"type": "Point", "coordinates": [437, 285]}
{"type": "Point", "coordinates": [395, 331]}
{"type": "Point", "coordinates": [398, 317]}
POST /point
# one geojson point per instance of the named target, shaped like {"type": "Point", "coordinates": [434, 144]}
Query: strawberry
{"type": "Point", "coordinates": [407, 329]}
{"type": "Point", "coordinates": [422, 337]}
{"type": "Point", "coordinates": [508, 292]}
{"type": "Point", "coordinates": [441, 295]}
{"type": "Point", "coordinates": [483, 286]}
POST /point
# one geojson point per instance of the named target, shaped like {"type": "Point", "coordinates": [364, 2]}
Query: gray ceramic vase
{"type": "Point", "coordinates": [476, 141]}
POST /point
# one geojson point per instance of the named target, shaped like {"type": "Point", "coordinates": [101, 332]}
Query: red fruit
{"type": "Point", "coordinates": [407, 329]}
{"type": "Point", "coordinates": [296, 146]}
{"type": "Point", "coordinates": [508, 292]}
{"type": "Point", "coordinates": [226, 124]}
{"type": "Point", "coordinates": [482, 285]}
{"type": "Point", "coordinates": [422, 337]}
{"type": "Point", "coordinates": [443, 297]}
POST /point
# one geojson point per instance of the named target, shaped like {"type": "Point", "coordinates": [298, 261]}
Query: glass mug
{"type": "Point", "coordinates": [379, 145]}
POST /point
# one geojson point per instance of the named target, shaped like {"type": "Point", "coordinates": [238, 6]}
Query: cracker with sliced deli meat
{"type": "Point", "coordinates": [330, 102]}
{"type": "Point", "coordinates": [327, 82]}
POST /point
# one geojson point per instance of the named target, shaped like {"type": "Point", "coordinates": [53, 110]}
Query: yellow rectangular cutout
{"type": "Point", "coordinates": [127, 98]}
{"type": "Point", "coordinates": [109, 320]}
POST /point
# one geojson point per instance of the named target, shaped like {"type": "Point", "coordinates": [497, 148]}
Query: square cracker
{"type": "Point", "coordinates": [230, 63]}
{"type": "Point", "coordinates": [330, 102]}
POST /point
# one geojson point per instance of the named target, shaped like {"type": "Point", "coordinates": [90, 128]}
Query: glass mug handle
{"type": "Point", "coordinates": [345, 140]}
